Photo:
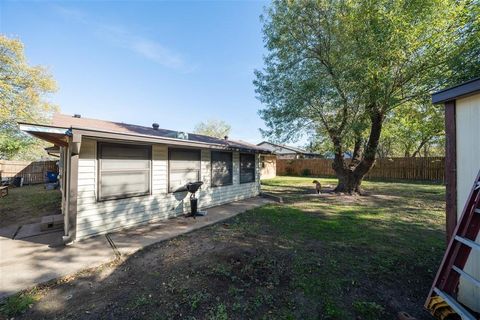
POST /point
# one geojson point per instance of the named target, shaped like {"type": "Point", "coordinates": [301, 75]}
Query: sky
{"type": "Point", "coordinates": [174, 63]}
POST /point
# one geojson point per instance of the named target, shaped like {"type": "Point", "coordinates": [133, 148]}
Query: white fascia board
{"type": "Point", "coordinates": [39, 128]}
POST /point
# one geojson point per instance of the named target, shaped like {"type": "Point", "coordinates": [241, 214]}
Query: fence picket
{"type": "Point", "coordinates": [32, 171]}
{"type": "Point", "coordinates": [424, 169]}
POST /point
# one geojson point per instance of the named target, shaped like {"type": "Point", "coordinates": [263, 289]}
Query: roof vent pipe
{"type": "Point", "coordinates": [226, 137]}
{"type": "Point", "coordinates": [76, 115]}
{"type": "Point", "coordinates": [155, 126]}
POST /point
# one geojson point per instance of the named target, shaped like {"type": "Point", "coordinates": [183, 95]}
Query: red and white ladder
{"type": "Point", "coordinates": [441, 301]}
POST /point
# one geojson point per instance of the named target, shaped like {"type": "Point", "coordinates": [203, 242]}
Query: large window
{"type": "Point", "coordinates": [222, 171]}
{"type": "Point", "coordinates": [123, 170]}
{"type": "Point", "coordinates": [247, 168]}
{"type": "Point", "coordinates": [184, 167]}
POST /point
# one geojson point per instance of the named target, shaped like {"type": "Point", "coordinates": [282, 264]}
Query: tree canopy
{"type": "Point", "coordinates": [23, 89]}
{"type": "Point", "coordinates": [339, 69]}
{"type": "Point", "coordinates": [213, 128]}
{"type": "Point", "coordinates": [412, 131]}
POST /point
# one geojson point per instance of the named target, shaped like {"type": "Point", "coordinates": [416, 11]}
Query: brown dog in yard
{"type": "Point", "coordinates": [318, 186]}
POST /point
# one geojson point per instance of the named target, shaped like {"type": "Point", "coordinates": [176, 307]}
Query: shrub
{"type": "Point", "coordinates": [306, 172]}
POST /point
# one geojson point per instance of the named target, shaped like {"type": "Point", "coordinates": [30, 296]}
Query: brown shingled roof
{"type": "Point", "coordinates": [67, 122]}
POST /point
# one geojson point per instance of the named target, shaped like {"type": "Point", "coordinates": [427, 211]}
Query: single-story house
{"type": "Point", "coordinates": [462, 161]}
{"type": "Point", "coordinates": [117, 175]}
{"type": "Point", "coordinates": [287, 152]}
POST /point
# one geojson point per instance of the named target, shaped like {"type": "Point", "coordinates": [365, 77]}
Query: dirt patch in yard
{"type": "Point", "coordinates": [198, 276]}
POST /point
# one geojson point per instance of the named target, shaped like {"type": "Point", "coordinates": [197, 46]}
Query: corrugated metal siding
{"type": "Point", "coordinates": [100, 217]}
{"type": "Point", "coordinates": [468, 164]}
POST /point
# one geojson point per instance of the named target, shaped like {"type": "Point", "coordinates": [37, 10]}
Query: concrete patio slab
{"type": "Point", "coordinates": [51, 238]}
{"type": "Point", "coordinates": [24, 263]}
{"type": "Point", "coordinates": [8, 232]}
{"type": "Point", "coordinates": [32, 230]}
{"type": "Point", "coordinates": [37, 259]}
{"type": "Point", "coordinates": [129, 241]}
{"type": "Point", "coordinates": [28, 230]}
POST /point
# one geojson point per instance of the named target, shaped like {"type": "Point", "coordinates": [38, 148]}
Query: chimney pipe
{"type": "Point", "coordinates": [155, 126]}
{"type": "Point", "coordinates": [226, 137]}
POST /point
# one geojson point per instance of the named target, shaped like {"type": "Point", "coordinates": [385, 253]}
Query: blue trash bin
{"type": "Point", "coordinates": [52, 176]}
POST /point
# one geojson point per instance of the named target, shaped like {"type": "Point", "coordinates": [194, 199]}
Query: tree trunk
{"type": "Point", "coordinates": [350, 177]}
{"type": "Point", "coordinates": [349, 182]}
{"type": "Point", "coordinates": [357, 151]}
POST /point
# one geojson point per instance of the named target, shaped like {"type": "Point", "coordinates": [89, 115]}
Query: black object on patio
{"type": "Point", "coordinates": [193, 187]}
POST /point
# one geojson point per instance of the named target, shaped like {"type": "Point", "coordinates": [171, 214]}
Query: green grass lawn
{"type": "Point", "coordinates": [383, 249]}
{"type": "Point", "coordinates": [314, 257]}
{"type": "Point", "coordinates": [28, 204]}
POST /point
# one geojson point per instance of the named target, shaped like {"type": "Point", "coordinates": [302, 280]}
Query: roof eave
{"type": "Point", "coordinates": [459, 91]}
{"type": "Point", "coordinates": [28, 127]}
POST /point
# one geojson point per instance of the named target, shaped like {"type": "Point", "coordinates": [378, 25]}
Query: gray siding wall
{"type": "Point", "coordinates": [95, 217]}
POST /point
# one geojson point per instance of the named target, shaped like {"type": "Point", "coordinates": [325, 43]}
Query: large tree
{"type": "Point", "coordinates": [23, 89]}
{"type": "Point", "coordinates": [411, 130]}
{"type": "Point", "coordinates": [338, 68]}
{"type": "Point", "coordinates": [213, 128]}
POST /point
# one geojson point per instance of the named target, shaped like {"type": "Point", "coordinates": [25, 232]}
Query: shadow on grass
{"type": "Point", "coordinates": [296, 188]}
{"type": "Point", "coordinates": [277, 262]}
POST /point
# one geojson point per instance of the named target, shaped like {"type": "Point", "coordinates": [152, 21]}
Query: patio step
{"type": "Point", "coordinates": [52, 222]}
{"type": "Point", "coordinates": [271, 197]}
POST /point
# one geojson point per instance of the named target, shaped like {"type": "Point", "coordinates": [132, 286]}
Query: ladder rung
{"type": "Point", "coordinates": [457, 307]}
{"type": "Point", "coordinates": [468, 242]}
{"type": "Point", "coordinates": [467, 276]}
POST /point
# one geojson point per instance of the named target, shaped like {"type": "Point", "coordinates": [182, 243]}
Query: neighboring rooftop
{"type": "Point", "coordinates": [284, 149]}
{"type": "Point", "coordinates": [68, 122]}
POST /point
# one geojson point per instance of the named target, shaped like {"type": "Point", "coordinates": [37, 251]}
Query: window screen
{"type": "Point", "coordinates": [247, 168]}
{"type": "Point", "coordinates": [123, 170]}
{"type": "Point", "coordinates": [184, 167]}
{"type": "Point", "coordinates": [222, 168]}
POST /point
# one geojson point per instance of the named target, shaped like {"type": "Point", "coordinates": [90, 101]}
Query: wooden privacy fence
{"type": "Point", "coordinates": [31, 171]}
{"type": "Point", "coordinates": [427, 169]}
